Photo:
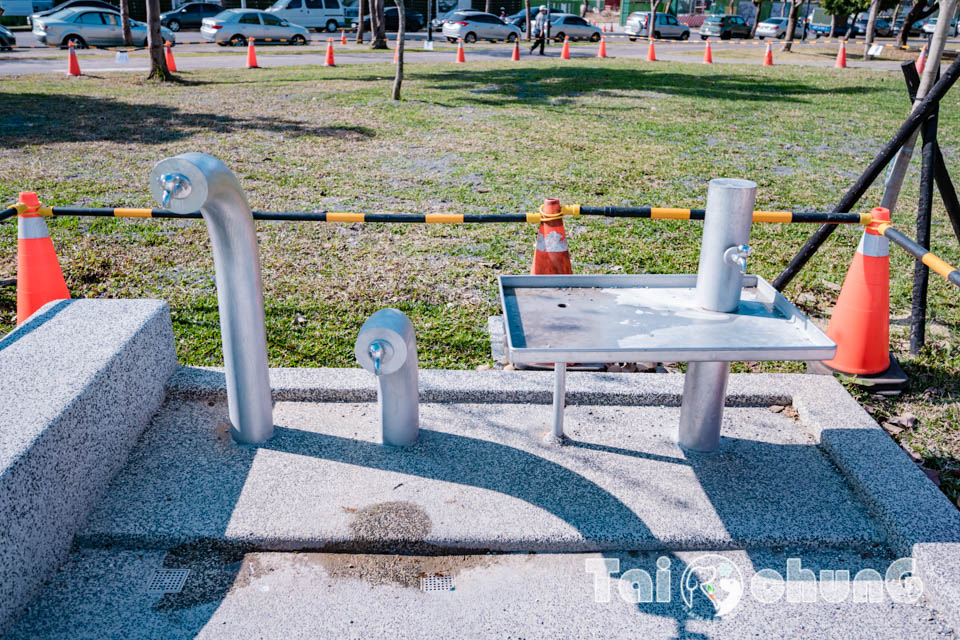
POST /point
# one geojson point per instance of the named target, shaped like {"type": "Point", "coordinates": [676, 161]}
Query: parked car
{"type": "Point", "coordinates": [236, 26]}
{"type": "Point", "coordinates": [724, 27]}
{"type": "Point", "coordinates": [476, 25]}
{"type": "Point", "coordinates": [189, 16]}
{"type": "Point", "coordinates": [666, 26]}
{"type": "Point", "coordinates": [915, 30]}
{"type": "Point", "coordinates": [572, 25]}
{"type": "Point", "coordinates": [437, 23]}
{"type": "Point", "coordinates": [520, 22]}
{"type": "Point", "coordinates": [351, 15]}
{"type": "Point", "coordinates": [391, 17]}
{"type": "Point", "coordinates": [327, 15]}
{"type": "Point", "coordinates": [931, 25]}
{"type": "Point", "coordinates": [881, 28]}
{"type": "Point", "coordinates": [7, 39]}
{"type": "Point", "coordinates": [777, 28]}
{"type": "Point", "coordinates": [85, 27]}
{"type": "Point", "coordinates": [97, 4]}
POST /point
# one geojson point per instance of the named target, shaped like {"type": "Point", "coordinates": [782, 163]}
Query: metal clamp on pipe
{"type": "Point", "coordinates": [387, 347]}
{"type": "Point", "coordinates": [195, 181]}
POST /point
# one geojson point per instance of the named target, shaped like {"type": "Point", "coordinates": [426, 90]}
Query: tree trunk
{"type": "Point", "coordinates": [125, 22]}
{"type": "Point", "coordinates": [526, 5]}
{"type": "Point", "coordinates": [158, 64]}
{"type": "Point", "coordinates": [919, 11]}
{"type": "Point", "coordinates": [652, 24]}
{"type": "Point", "coordinates": [584, 8]}
{"type": "Point", "coordinates": [756, 18]}
{"type": "Point", "coordinates": [360, 5]}
{"type": "Point", "coordinates": [833, 26]}
{"type": "Point", "coordinates": [380, 31]}
{"type": "Point", "coordinates": [871, 27]}
{"type": "Point", "coordinates": [791, 25]}
{"type": "Point", "coordinates": [486, 6]}
{"type": "Point", "coordinates": [401, 32]}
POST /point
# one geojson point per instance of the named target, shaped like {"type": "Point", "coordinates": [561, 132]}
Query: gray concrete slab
{"type": "Point", "coordinates": [480, 478]}
{"type": "Point", "coordinates": [102, 594]}
{"type": "Point", "coordinates": [81, 379]}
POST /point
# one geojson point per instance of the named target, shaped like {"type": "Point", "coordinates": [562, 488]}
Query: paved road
{"type": "Point", "coordinates": [208, 56]}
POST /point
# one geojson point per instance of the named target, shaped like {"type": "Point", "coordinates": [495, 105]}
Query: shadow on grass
{"type": "Point", "coordinates": [550, 84]}
{"type": "Point", "coordinates": [79, 118]}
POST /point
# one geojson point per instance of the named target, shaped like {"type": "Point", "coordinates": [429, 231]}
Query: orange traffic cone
{"type": "Point", "coordinates": [73, 67]}
{"type": "Point", "coordinates": [251, 55]}
{"type": "Point", "coordinates": [922, 60]}
{"type": "Point", "coordinates": [603, 28]}
{"type": "Point", "coordinates": [171, 63]}
{"type": "Point", "coordinates": [551, 255]}
{"type": "Point", "coordinates": [39, 279]}
{"type": "Point", "coordinates": [768, 57]}
{"type": "Point", "coordinates": [707, 54]}
{"type": "Point", "coordinates": [328, 60]}
{"type": "Point", "coordinates": [860, 324]}
{"type": "Point", "coordinates": [460, 57]}
{"type": "Point", "coordinates": [651, 53]}
{"type": "Point", "coordinates": [841, 62]}
{"type": "Point", "coordinates": [343, 36]}
{"type": "Point", "coordinates": [516, 51]}
{"type": "Point", "coordinates": [602, 50]}
{"type": "Point", "coordinates": [565, 52]}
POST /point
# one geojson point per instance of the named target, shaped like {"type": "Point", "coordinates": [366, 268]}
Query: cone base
{"type": "Point", "coordinates": [887, 383]}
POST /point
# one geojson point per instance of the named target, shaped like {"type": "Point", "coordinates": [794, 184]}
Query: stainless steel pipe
{"type": "Point", "coordinates": [723, 263]}
{"type": "Point", "coordinates": [196, 181]}
{"type": "Point", "coordinates": [387, 347]}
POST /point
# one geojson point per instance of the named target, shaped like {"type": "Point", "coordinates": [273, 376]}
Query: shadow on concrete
{"type": "Point", "coordinates": [79, 118]}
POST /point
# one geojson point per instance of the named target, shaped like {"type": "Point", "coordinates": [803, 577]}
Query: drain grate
{"type": "Point", "coordinates": [167, 580]}
{"type": "Point", "coordinates": [436, 583]}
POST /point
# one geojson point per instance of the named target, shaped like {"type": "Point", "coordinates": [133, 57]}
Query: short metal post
{"type": "Point", "coordinates": [723, 263]}
{"type": "Point", "coordinates": [387, 347]}
{"type": "Point", "coordinates": [559, 399]}
{"type": "Point", "coordinates": [195, 181]}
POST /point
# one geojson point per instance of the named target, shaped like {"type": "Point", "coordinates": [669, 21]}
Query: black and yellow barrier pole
{"type": "Point", "coordinates": [947, 271]}
{"type": "Point", "coordinates": [661, 213]}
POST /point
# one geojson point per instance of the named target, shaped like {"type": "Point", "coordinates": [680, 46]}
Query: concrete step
{"type": "Point", "coordinates": [104, 594]}
{"type": "Point", "coordinates": [480, 478]}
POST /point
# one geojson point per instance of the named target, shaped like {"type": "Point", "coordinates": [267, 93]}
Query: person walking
{"type": "Point", "coordinates": [539, 28]}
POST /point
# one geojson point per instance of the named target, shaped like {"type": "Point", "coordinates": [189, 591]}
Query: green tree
{"type": "Point", "coordinates": [840, 10]}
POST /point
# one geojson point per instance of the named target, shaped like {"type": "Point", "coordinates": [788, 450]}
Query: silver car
{"type": "Point", "coordinates": [88, 27]}
{"type": "Point", "coordinates": [477, 25]}
{"type": "Point", "coordinates": [777, 28]}
{"type": "Point", "coordinates": [931, 25]}
{"type": "Point", "coordinates": [568, 24]}
{"type": "Point", "coordinates": [666, 26]}
{"type": "Point", "coordinates": [236, 26]}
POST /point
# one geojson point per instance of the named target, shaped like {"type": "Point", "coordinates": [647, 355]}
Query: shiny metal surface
{"type": "Point", "coordinates": [632, 318]}
{"type": "Point", "coordinates": [729, 214]}
{"type": "Point", "coordinates": [559, 400]}
{"type": "Point", "coordinates": [217, 194]}
{"type": "Point", "coordinates": [704, 392]}
{"type": "Point", "coordinates": [387, 347]}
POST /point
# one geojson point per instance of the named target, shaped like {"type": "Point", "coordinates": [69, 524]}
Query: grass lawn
{"type": "Point", "coordinates": [484, 137]}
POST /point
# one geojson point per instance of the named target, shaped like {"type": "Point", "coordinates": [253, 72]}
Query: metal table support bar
{"type": "Point", "coordinates": [559, 398]}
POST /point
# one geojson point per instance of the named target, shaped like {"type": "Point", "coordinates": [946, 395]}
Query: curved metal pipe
{"type": "Point", "coordinates": [193, 181]}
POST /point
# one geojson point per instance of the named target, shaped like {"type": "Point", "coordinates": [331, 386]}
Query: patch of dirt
{"type": "Point", "coordinates": [405, 571]}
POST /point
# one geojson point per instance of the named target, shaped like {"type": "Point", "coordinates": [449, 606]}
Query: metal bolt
{"type": "Point", "coordinates": [174, 185]}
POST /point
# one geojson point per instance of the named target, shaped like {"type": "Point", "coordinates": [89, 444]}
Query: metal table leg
{"type": "Point", "coordinates": [559, 399]}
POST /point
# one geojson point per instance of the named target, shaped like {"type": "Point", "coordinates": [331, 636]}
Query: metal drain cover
{"type": "Point", "coordinates": [436, 583]}
{"type": "Point", "coordinates": [167, 580]}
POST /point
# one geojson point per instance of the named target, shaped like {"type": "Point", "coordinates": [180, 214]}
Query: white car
{"type": "Point", "coordinates": [236, 26]}
{"type": "Point", "coordinates": [931, 24]}
{"type": "Point", "coordinates": [777, 28]}
{"type": "Point", "coordinates": [313, 14]}
{"type": "Point", "coordinates": [476, 25]}
{"type": "Point", "coordinates": [572, 25]}
{"type": "Point", "coordinates": [666, 26]}
{"type": "Point", "coordinates": [87, 27]}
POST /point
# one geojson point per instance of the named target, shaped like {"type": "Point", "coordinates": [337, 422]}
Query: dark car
{"type": "Point", "coordinates": [724, 27]}
{"type": "Point", "coordinates": [882, 28]}
{"type": "Point", "coordinates": [189, 16]}
{"type": "Point", "coordinates": [915, 29]}
{"type": "Point", "coordinates": [7, 39]}
{"type": "Point", "coordinates": [96, 4]}
{"type": "Point", "coordinates": [391, 16]}
{"type": "Point", "coordinates": [520, 22]}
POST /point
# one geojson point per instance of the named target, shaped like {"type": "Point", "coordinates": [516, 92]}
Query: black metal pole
{"type": "Point", "coordinates": [921, 274]}
{"type": "Point", "coordinates": [853, 195]}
